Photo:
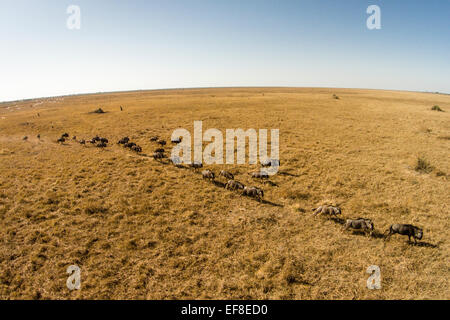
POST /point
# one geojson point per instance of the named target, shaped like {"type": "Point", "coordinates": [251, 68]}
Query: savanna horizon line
{"type": "Point", "coordinates": [218, 87]}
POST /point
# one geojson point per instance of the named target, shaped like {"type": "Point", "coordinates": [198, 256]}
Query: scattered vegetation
{"type": "Point", "coordinates": [423, 165]}
{"type": "Point", "coordinates": [437, 108]}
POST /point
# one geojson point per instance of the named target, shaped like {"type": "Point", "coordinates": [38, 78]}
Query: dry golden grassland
{"type": "Point", "coordinates": [141, 229]}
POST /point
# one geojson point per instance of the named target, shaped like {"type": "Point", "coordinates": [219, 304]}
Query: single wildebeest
{"type": "Point", "coordinates": [61, 140]}
{"type": "Point", "coordinates": [121, 109]}
{"type": "Point", "coordinates": [92, 141]}
{"type": "Point", "coordinates": [208, 174]}
{"type": "Point", "coordinates": [123, 140]}
{"type": "Point", "coordinates": [253, 192]}
{"type": "Point", "coordinates": [326, 209]}
{"type": "Point", "coordinates": [65, 135]}
{"type": "Point", "coordinates": [259, 175]}
{"type": "Point", "coordinates": [196, 165]}
{"type": "Point", "coordinates": [25, 138]}
{"type": "Point", "coordinates": [234, 185]}
{"type": "Point", "coordinates": [406, 230]}
{"type": "Point", "coordinates": [103, 140]}
{"type": "Point", "coordinates": [158, 156]}
{"type": "Point", "coordinates": [96, 138]}
{"type": "Point", "coordinates": [83, 141]}
{"type": "Point", "coordinates": [270, 163]}
{"type": "Point", "coordinates": [162, 142]}
{"type": "Point", "coordinates": [226, 174]}
{"type": "Point", "coordinates": [102, 145]}
{"type": "Point", "coordinates": [155, 138]}
{"type": "Point", "coordinates": [74, 138]}
{"type": "Point", "coordinates": [39, 136]}
{"type": "Point", "coordinates": [365, 225]}
{"type": "Point", "coordinates": [161, 150]}
{"type": "Point", "coordinates": [177, 140]}
{"type": "Point", "coordinates": [129, 145]}
{"type": "Point", "coordinates": [136, 149]}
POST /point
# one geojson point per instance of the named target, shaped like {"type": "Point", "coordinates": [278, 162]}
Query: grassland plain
{"type": "Point", "coordinates": [141, 229]}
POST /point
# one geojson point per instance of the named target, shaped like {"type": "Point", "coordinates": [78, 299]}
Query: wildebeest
{"type": "Point", "coordinates": [129, 145]}
{"type": "Point", "coordinates": [176, 141]}
{"type": "Point", "coordinates": [253, 192]}
{"type": "Point", "coordinates": [270, 162]}
{"type": "Point", "coordinates": [158, 156]}
{"type": "Point", "coordinates": [39, 136]}
{"type": "Point", "coordinates": [74, 138]}
{"type": "Point", "coordinates": [226, 174]}
{"type": "Point", "coordinates": [406, 230]}
{"type": "Point", "coordinates": [155, 138]}
{"type": "Point", "coordinates": [259, 175]}
{"type": "Point", "coordinates": [96, 138]}
{"type": "Point", "coordinates": [162, 142]}
{"type": "Point", "coordinates": [25, 138]}
{"type": "Point", "coordinates": [234, 185]}
{"type": "Point", "coordinates": [160, 150]}
{"type": "Point", "coordinates": [82, 141]}
{"type": "Point", "coordinates": [102, 145]}
{"type": "Point", "coordinates": [103, 140]}
{"type": "Point", "coordinates": [65, 135]}
{"type": "Point", "coordinates": [196, 165]}
{"type": "Point", "coordinates": [121, 109]}
{"type": "Point", "coordinates": [61, 140]}
{"type": "Point", "coordinates": [326, 209]}
{"type": "Point", "coordinates": [136, 148]}
{"type": "Point", "coordinates": [363, 224]}
{"type": "Point", "coordinates": [92, 141]}
{"type": "Point", "coordinates": [123, 140]}
{"type": "Point", "coordinates": [208, 174]}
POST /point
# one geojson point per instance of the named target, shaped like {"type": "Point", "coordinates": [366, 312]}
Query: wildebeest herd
{"type": "Point", "coordinates": [361, 224]}
{"type": "Point", "coordinates": [367, 225]}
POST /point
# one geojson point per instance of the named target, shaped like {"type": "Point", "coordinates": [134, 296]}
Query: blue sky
{"type": "Point", "coordinates": [129, 45]}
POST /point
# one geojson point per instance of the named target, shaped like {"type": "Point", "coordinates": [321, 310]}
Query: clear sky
{"type": "Point", "coordinates": [151, 44]}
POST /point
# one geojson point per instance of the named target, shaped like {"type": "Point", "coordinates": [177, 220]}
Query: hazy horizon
{"type": "Point", "coordinates": [154, 45]}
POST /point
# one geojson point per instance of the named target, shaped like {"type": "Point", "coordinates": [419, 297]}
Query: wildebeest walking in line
{"type": "Point", "coordinates": [405, 230]}
{"type": "Point", "coordinates": [259, 175]}
{"type": "Point", "coordinates": [158, 156]}
{"type": "Point", "coordinates": [124, 140]}
{"type": "Point", "coordinates": [176, 141]}
{"type": "Point", "coordinates": [328, 210]}
{"type": "Point", "coordinates": [234, 185]}
{"type": "Point", "coordinates": [129, 145]}
{"type": "Point", "coordinates": [136, 149]}
{"type": "Point", "coordinates": [270, 163]}
{"type": "Point", "coordinates": [162, 142]}
{"type": "Point", "coordinates": [65, 135]}
{"type": "Point", "coordinates": [61, 140]}
{"type": "Point", "coordinates": [226, 174]}
{"type": "Point", "coordinates": [363, 224]}
{"type": "Point", "coordinates": [208, 174]}
{"type": "Point", "coordinates": [83, 142]}
{"type": "Point", "coordinates": [161, 150]}
{"type": "Point", "coordinates": [196, 165]}
{"type": "Point", "coordinates": [253, 192]}
{"type": "Point", "coordinates": [154, 139]}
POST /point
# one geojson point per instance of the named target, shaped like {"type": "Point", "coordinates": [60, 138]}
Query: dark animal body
{"type": "Point", "coordinates": [405, 230]}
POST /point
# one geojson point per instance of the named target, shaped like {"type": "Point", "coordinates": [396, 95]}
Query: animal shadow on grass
{"type": "Point", "coordinates": [337, 220]}
{"type": "Point", "coordinates": [424, 244]}
{"type": "Point", "coordinates": [218, 184]}
{"type": "Point", "coordinates": [285, 173]}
